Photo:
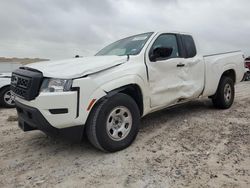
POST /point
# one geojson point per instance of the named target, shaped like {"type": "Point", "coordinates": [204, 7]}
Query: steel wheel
{"type": "Point", "coordinates": [113, 123]}
{"type": "Point", "coordinates": [224, 96]}
{"type": "Point", "coordinates": [227, 92]}
{"type": "Point", "coordinates": [119, 123]}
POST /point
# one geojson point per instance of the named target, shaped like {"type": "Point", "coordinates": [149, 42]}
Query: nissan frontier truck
{"type": "Point", "coordinates": [105, 96]}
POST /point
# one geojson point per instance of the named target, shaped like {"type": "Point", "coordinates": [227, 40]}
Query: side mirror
{"type": "Point", "coordinates": [161, 53]}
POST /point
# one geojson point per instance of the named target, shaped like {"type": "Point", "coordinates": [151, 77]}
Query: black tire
{"type": "Point", "coordinates": [97, 123]}
{"type": "Point", "coordinates": [3, 102]}
{"type": "Point", "coordinates": [220, 99]}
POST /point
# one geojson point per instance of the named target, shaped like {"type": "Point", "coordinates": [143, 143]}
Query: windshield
{"type": "Point", "coordinates": [128, 46]}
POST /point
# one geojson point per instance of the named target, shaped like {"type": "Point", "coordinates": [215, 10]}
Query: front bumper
{"type": "Point", "coordinates": [30, 118]}
{"type": "Point", "coordinates": [46, 103]}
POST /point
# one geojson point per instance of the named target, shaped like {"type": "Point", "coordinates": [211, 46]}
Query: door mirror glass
{"type": "Point", "coordinates": [161, 53]}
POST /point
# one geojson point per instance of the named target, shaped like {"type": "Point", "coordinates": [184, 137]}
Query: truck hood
{"type": "Point", "coordinates": [77, 67]}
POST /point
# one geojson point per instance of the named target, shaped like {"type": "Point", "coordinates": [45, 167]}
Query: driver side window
{"type": "Point", "coordinates": [167, 41]}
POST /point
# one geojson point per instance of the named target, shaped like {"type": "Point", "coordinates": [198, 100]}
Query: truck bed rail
{"type": "Point", "coordinates": [221, 53]}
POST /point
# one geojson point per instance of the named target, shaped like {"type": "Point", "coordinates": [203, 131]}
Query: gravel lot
{"type": "Point", "coordinates": [191, 145]}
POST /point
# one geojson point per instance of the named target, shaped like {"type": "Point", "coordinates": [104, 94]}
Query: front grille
{"type": "Point", "coordinates": [20, 92]}
{"type": "Point", "coordinates": [20, 81]}
{"type": "Point", "coordinates": [26, 83]}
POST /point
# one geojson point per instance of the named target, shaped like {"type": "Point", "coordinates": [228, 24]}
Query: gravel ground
{"type": "Point", "coordinates": [192, 145]}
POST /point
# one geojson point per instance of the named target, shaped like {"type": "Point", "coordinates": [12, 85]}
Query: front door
{"type": "Point", "coordinates": [172, 79]}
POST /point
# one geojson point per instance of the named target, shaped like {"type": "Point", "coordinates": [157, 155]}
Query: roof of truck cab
{"type": "Point", "coordinates": [177, 32]}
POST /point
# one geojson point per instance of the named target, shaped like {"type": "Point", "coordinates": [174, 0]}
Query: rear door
{"type": "Point", "coordinates": [176, 78]}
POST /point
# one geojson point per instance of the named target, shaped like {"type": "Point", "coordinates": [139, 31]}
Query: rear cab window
{"type": "Point", "coordinates": [189, 46]}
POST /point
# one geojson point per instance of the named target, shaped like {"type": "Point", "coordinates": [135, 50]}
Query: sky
{"type": "Point", "coordinates": [59, 29]}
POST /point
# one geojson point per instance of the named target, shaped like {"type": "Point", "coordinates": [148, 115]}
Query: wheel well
{"type": "Point", "coordinates": [134, 91]}
{"type": "Point", "coordinates": [231, 74]}
{"type": "Point", "coordinates": [228, 73]}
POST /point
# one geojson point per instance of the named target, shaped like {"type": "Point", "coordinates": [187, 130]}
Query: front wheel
{"type": "Point", "coordinates": [113, 123]}
{"type": "Point", "coordinates": [7, 98]}
{"type": "Point", "coordinates": [224, 96]}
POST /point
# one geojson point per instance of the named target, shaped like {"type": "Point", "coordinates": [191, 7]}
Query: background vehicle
{"type": "Point", "coordinates": [6, 96]}
{"type": "Point", "coordinates": [107, 94]}
{"type": "Point", "coordinates": [247, 65]}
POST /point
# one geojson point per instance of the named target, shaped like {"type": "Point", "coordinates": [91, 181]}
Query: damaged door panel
{"type": "Point", "coordinates": [174, 78]}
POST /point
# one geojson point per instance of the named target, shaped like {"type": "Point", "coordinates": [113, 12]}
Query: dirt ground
{"type": "Point", "coordinates": [192, 145]}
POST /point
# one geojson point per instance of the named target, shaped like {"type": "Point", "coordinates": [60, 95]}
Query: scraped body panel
{"type": "Point", "coordinates": [170, 84]}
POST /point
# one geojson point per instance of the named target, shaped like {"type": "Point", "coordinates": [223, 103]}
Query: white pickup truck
{"type": "Point", "coordinates": [105, 95]}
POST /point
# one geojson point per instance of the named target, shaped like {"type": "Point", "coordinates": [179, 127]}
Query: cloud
{"type": "Point", "coordinates": [61, 29]}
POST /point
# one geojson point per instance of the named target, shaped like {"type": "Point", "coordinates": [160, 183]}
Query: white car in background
{"type": "Point", "coordinates": [6, 96]}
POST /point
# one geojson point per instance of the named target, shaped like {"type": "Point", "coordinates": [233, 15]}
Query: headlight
{"type": "Point", "coordinates": [55, 85]}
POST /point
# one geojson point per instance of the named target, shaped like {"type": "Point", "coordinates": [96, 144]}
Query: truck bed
{"type": "Point", "coordinates": [215, 64]}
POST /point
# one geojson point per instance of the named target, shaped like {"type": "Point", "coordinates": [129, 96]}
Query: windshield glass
{"type": "Point", "coordinates": [128, 46]}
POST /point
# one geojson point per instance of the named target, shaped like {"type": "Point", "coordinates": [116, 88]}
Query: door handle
{"type": "Point", "coordinates": [180, 65]}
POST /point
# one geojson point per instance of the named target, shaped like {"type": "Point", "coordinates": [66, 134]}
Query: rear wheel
{"type": "Point", "coordinates": [7, 98]}
{"type": "Point", "coordinates": [224, 96]}
{"type": "Point", "coordinates": [113, 123]}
